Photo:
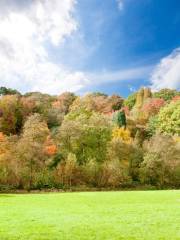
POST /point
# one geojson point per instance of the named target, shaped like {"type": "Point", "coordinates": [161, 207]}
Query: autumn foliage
{"type": "Point", "coordinates": [93, 140]}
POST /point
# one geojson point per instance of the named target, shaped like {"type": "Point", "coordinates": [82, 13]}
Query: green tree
{"type": "Point", "coordinates": [152, 125]}
{"type": "Point", "coordinates": [85, 135]}
{"type": "Point", "coordinates": [119, 118]}
{"type": "Point", "coordinates": [8, 91]}
{"type": "Point", "coordinates": [130, 101]}
{"type": "Point", "coordinates": [169, 118]}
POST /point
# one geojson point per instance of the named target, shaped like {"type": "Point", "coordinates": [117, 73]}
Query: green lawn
{"type": "Point", "coordinates": [95, 215]}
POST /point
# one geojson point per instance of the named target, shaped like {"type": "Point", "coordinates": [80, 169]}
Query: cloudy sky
{"type": "Point", "coordinates": [114, 46]}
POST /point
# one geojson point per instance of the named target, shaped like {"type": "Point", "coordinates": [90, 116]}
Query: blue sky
{"type": "Point", "coordinates": [114, 46]}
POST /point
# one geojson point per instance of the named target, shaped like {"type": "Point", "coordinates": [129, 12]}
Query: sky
{"type": "Point", "coordinates": [110, 46]}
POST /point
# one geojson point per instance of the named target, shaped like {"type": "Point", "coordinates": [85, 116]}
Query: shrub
{"type": "Point", "coordinates": [161, 165]}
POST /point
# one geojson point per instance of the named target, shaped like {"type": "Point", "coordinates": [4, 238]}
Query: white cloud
{"type": "Point", "coordinates": [167, 73]}
{"type": "Point", "coordinates": [120, 4]}
{"type": "Point", "coordinates": [25, 36]}
{"type": "Point", "coordinates": [136, 73]}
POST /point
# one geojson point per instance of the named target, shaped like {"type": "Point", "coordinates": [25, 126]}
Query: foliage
{"type": "Point", "coordinates": [98, 103]}
{"type": "Point", "coordinates": [11, 117]}
{"type": "Point", "coordinates": [135, 160]}
{"type": "Point", "coordinates": [116, 102]}
{"type": "Point", "coordinates": [166, 94]}
{"type": "Point", "coordinates": [8, 91]}
{"type": "Point", "coordinates": [176, 98]}
{"type": "Point", "coordinates": [152, 125]}
{"type": "Point", "coordinates": [95, 140]}
{"type": "Point", "coordinates": [114, 174]}
{"type": "Point", "coordinates": [88, 136]}
{"type": "Point", "coordinates": [153, 106]}
{"type": "Point", "coordinates": [169, 118]}
{"type": "Point", "coordinates": [130, 101]}
{"type": "Point", "coordinates": [161, 165]}
{"type": "Point", "coordinates": [30, 149]}
{"type": "Point", "coordinates": [64, 101]}
{"type": "Point", "coordinates": [122, 134]}
{"type": "Point", "coordinates": [119, 118]}
{"type": "Point", "coordinates": [69, 168]}
{"type": "Point", "coordinates": [9, 169]}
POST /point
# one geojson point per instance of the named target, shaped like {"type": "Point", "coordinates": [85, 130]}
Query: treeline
{"type": "Point", "coordinates": [91, 141]}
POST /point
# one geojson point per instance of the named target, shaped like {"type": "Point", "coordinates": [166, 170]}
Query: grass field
{"type": "Point", "coordinates": [95, 215]}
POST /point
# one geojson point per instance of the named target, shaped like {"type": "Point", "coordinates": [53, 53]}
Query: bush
{"type": "Point", "coordinates": [161, 165]}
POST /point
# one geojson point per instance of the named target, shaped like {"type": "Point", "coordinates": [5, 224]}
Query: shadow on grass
{"type": "Point", "coordinates": [6, 195]}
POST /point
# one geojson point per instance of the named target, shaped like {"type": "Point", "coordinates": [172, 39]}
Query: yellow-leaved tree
{"type": "Point", "coordinates": [122, 134]}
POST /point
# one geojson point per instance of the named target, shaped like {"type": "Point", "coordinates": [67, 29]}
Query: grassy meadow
{"type": "Point", "coordinates": [123, 215]}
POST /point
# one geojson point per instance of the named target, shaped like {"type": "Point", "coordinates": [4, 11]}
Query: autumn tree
{"type": "Point", "coordinates": [30, 149]}
{"type": "Point", "coordinates": [41, 101]}
{"type": "Point", "coordinates": [64, 101]}
{"type": "Point", "coordinates": [123, 134]}
{"type": "Point", "coordinates": [69, 168]}
{"type": "Point", "coordinates": [9, 165]}
{"type": "Point", "coordinates": [98, 102]}
{"type": "Point", "coordinates": [152, 106]}
{"type": "Point", "coordinates": [11, 116]}
{"type": "Point", "coordinates": [161, 165]}
{"type": "Point", "coordinates": [166, 94]}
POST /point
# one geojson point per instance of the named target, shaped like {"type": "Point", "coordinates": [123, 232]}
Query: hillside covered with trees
{"type": "Point", "coordinates": [94, 140]}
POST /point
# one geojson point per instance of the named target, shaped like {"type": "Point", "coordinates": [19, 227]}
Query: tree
{"type": "Point", "coordinates": [152, 125]}
{"type": "Point", "coordinates": [41, 103]}
{"type": "Point", "coordinates": [8, 91]}
{"type": "Point", "coordinates": [152, 106]}
{"type": "Point", "coordinates": [69, 168]}
{"type": "Point", "coordinates": [98, 103]}
{"type": "Point", "coordinates": [11, 117]}
{"type": "Point", "coordinates": [169, 118]}
{"type": "Point", "coordinates": [161, 165]}
{"type": "Point", "coordinates": [50, 147]}
{"type": "Point", "coordinates": [119, 118]}
{"type": "Point", "coordinates": [130, 101]}
{"type": "Point", "coordinates": [64, 101]}
{"type": "Point", "coordinates": [9, 168]}
{"type": "Point", "coordinates": [85, 135]}
{"type": "Point", "coordinates": [116, 102]}
{"type": "Point", "coordinates": [135, 160]}
{"type": "Point", "coordinates": [54, 117]}
{"type": "Point", "coordinates": [116, 168]}
{"type": "Point", "coordinates": [114, 174]}
{"type": "Point", "coordinates": [30, 149]}
{"type": "Point", "coordinates": [123, 134]}
{"type": "Point", "coordinates": [176, 98]}
{"type": "Point", "coordinates": [166, 94]}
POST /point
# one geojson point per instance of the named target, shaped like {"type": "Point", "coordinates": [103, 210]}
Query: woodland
{"type": "Point", "coordinates": [91, 141]}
